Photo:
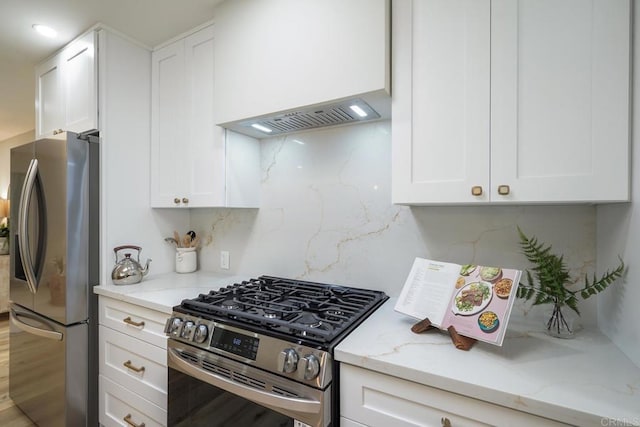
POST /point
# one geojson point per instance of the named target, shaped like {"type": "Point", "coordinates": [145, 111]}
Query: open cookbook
{"type": "Point", "coordinates": [475, 300]}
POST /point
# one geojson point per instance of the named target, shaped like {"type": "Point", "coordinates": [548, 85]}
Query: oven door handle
{"type": "Point", "coordinates": [249, 393]}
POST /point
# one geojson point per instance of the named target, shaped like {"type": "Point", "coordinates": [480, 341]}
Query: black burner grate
{"type": "Point", "coordinates": [315, 311]}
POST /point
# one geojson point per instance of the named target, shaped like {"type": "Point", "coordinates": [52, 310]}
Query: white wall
{"type": "Point", "coordinates": [619, 234]}
{"type": "Point", "coordinates": [326, 215]}
{"type": "Point", "coordinates": [5, 157]}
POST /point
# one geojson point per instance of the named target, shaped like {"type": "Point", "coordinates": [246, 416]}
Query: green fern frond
{"type": "Point", "coordinates": [550, 278]}
{"type": "Point", "coordinates": [598, 285]}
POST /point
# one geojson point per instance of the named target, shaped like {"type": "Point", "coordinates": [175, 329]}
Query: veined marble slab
{"type": "Point", "coordinates": [164, 291]}
{"type": "Point", "coordinates": [582, 381]}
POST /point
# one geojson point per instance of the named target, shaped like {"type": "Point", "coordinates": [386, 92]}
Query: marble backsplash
{"type": "Point", "coordinates": [327, 216]}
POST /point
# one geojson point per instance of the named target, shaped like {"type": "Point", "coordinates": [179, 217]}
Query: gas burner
{"type": "Point", "coordinates": [335, 314]}
{"type": "Point", "coordinates": [309, 320]}
{"type": "Point", "coordinates": [287, 307]}
{"type": "Point", "coordinates": [230, 304]}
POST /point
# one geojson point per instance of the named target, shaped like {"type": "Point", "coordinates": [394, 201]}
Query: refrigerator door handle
{"type": "Point", "coordinates": [23, 229]}
{"type": "Point", "coordinates": [52, 335]}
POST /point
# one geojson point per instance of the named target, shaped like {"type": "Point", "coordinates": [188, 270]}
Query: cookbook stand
{"type": "Point", "coordinates": [461, 342]}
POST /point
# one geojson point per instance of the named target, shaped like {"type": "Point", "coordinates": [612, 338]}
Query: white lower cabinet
{"type": "Point", "coordinates": [133, 365]}
{"type": "Point", "coordinates": [346, 422]}
{"type": "Point", "coordinates": [122, 407]}
{"type": "Point", "coordinates": [369, 398]}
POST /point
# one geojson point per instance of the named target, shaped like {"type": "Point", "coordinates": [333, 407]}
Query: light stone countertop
{"type": "Point", "coordinates": [582, 381]}
{"type": "Point", "coordinates": [162, 292]}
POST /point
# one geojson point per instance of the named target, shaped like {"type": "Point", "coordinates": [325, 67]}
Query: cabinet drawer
{"type": "Point", "coordinates": [134, 364]}
{"type": "Point", "coordinates": [346, 422]}
{"type": "Point", "coordinates": [138, 322]}
{"type": "Point", "coordinates": [375, 399]}
{"type": "Point", "coordinates": [117, 405]}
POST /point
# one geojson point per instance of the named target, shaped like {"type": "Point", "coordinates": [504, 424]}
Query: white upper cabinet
{"type": "Point", "coordinates": [49, 100]}
{"type": "Point", "coordinates": [190, 155]}
{"type": "Point", "coordinates": [66, 89]}
{"type": "Point", "coordinates": [79, 84]}
{"type": "Point", "coordinates": [278, 55]}
{"type": "Point", "coordinates": [510, 101]}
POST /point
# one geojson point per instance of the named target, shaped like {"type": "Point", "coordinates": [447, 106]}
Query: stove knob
{"type": "Point", "coordinates": [188, 329]}
{"type": "Point", "coordinates": [201, 334]}
{"type": "Point", "coordinates": [173, 326]}
{"type": "Point", "coordinates": [287, 361]}
{"type": "Point", "coordinates": [309, 367]}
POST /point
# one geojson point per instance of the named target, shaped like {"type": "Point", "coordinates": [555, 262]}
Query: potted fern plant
{"type": "Point", "coordinates": [548, 283]}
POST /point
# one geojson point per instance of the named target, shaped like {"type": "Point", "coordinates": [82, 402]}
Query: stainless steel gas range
{"type": "Point", "coordinates": [260, 353]}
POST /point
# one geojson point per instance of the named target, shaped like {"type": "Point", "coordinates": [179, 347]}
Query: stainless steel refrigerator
{"type": "Point", "coordinates": [54, 263]}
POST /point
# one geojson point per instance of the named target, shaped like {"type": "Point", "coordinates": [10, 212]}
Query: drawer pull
{"type": "Point", "coordinates": [127, 420]}
{"type": "Point", "coordinates": [129, 365]}
{"type": "Point", "coordinates": [128, 321]}
{"type": "Point", "coordinates": [503, 190]}
{"type": "Point", "coordinates": [476, 190]}
{"type": "Point", "coordinates": [445, 422]}
{"type": "Point", "coordinates": [176, 201]}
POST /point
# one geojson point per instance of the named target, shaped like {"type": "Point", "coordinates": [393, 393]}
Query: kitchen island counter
{"type": "Point", "coordinates": [161, 292]}
{"type": "Point", "coordinates": [582, 381]}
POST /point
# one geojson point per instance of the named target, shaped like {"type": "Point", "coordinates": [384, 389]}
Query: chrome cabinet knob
{"type": "Point", "coordinates": [309, 367]}
{"type": "Point", "coordinates": [185, 200]}
{"type": "Point", "coordinates": [201, 334]}
{"type": "Point", "coordinates": [176, 201]}
{"type": "Point", "coordinates": [287, 361]}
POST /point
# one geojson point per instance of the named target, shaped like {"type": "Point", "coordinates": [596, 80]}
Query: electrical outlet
{"type": "Point", "coordinates": [224, 260]}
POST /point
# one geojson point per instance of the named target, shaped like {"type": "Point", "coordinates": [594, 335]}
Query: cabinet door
{"type": "Point", "coordinates": [204, 143]}
{"type": "Point", "coordinates": [560, 100]}
{"type": "Point", "coordinates": [440, 103]}
{"type": "Point", "coordinates": [49, 98]}
{"type": "Point", "coordinates": [276, 55]}
{"type": "Point", "coordinates": [168, 138]}
{"type": "Point", "coordinates": [78, 62]}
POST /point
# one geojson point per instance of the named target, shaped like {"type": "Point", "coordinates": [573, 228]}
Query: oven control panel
{"type": "Point", "coordinates": [301, 363]}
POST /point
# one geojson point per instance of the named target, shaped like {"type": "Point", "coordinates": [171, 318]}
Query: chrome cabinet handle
{"type": "Point", "coordinates": [445, 422]}
{"type": "Point", "coordinates": [52, 335]}
{"type": "Point", "coordinates": [127, 420]}
{"type": "Point", "coordinates": [503, 190]}
{"type": "Point", "coordinates": [129, 321]}
{"type": "Point", "coordinates": [476, 190]}
{"type": "Point", "coordinates": [176, 200]}
{"type": "Point", "coordinates": [23, 229]}
{"type": "Point", "coordinates": [185, 200]}
{"type": "Point", "coordinates": [129, 365]}
{"type": "Point", "coordinates": [250, 393]}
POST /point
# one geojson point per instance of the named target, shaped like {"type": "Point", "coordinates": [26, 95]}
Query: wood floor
{"type": "Point", "coordinates": [10, 415]}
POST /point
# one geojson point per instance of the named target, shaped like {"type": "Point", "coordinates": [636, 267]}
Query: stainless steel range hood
{"type": "Point", "coordinates": [370, 106]}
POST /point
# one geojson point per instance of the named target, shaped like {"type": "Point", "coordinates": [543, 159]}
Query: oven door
{"type": "Point", "coordinates": [210, 390]}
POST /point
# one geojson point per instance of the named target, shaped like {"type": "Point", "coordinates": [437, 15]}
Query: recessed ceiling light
{"type": "Point", "coordinates": [45, 31]}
